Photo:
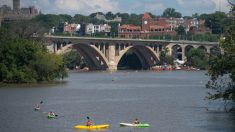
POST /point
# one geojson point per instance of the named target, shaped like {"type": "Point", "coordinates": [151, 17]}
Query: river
{"type": "Point", "coordinates": [170, 101]}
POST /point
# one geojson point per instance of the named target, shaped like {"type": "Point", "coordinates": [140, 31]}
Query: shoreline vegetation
{"type": "Point", "coordinates": [26, 61]}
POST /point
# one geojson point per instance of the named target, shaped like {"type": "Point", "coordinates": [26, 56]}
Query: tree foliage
{"type": "Point", "coordinates": [165, 58]}
{"type": "Point", "coordinates": [24, 29]}
{"type": "Point", "coordinates": [23, 61]}
{"type": "Point", "coordinates": [181, 30]}
{"type": "Point", "coordinates": [222, 67]}
{"type": "Point", "coordinates": [215, 21]}
{"type": "Point", "coordinates": [171, 12]}
{"type": "Point", "coordinates": [72, 59]}
{"type": "Point", "coordinates": [197, 58]}
{"type": "Point", "coordinates": [52, 20]}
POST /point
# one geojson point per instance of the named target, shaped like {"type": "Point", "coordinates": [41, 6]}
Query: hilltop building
{"type": "Point", "coordinates": [161, 27]}
{"type": "Point", "coordinates": [91, 28]}
{"type": "Point", "coordinates": [69, 28]}
{"type": "Point", "coordinates": [82, 29]}
{"type": "Point", "coordinates": [103, 18]}
{"type": "Point", "coordinates": [17, 13]}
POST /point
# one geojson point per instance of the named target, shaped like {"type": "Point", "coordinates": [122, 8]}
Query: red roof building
{"type": "Point", "coordinates": [158, 27]}
{"type": "Point", "coordinates": [150, 27]}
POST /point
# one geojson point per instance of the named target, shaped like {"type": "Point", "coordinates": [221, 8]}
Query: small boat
{"type": "Point", "coordinates": [37, 108]}
{"type": "Point", "coordinates": [141, 125]}
{"type": "Point", "coordinates": [93, 127]}
{"type": "Point", "coordinates": [178, 68]}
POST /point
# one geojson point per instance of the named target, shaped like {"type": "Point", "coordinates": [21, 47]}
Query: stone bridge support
{"type": "Point", "coordinates": [112, 63]}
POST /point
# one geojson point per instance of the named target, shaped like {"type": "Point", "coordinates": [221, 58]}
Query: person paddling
{"type": "Point", "coordinates": [51, 114]}
{"type": "Point", "coordinates": [37, 107]}
{"type": "Point", "coordinates": [136, 121]}
{"type": "Point", "coordinates": [89, 122]}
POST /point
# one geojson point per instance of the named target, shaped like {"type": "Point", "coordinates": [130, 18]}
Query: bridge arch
{"type": "Point", "coordinates": [177, 52]}
{"type": "Point", "coordinates": [215, 50]}
{"type": "Point", "coordinates": [202, 47]}
{"type": "Point", "coordinates": [145, 54]}
{"type": "Point", "coordinates": [94, 58]}
{"type": "Point", "coordinates": [187, 49]}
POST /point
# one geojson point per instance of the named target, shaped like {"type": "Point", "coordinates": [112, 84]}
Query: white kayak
{"type": "Point", "coordinates": [134, 125]}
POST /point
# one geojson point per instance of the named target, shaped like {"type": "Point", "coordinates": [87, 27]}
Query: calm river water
{"type": "Point", "coordinates": [168, 101]}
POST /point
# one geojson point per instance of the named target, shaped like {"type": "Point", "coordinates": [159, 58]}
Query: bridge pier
{"type": "Point", "coordinates": [184, 58]}
{"type": "Point", "coordinates": [112, 64]}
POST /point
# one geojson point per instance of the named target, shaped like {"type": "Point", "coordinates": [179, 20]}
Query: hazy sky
{"type": "Point", "coordinates": [186, 7]}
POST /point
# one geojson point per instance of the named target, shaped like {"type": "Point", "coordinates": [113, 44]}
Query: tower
{"type": "Point", "coordinates": [16, 5]}
{"type": "Point", "coordinates": [146, 22]}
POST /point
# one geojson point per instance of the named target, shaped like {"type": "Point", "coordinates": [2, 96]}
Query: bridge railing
{"type": "Point", "coordinates": [195, 37]}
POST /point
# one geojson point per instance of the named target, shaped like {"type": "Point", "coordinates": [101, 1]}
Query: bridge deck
{"type": "Point", "coordinates": [135, 40]}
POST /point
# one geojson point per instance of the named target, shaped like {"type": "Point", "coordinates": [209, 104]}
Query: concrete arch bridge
{"type": "Point", "coordinates": [106, 53]}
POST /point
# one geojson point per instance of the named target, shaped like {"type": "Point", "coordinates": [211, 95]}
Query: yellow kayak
{"type": "Point", "coordinates": [93, 127]}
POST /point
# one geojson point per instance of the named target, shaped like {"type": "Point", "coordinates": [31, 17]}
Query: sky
{"type": "Point", "coordinates": [156, 7]}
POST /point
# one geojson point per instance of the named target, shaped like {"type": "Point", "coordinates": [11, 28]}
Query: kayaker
{"type": "Point", "coordinates": [89, 122]}
{"type": "Point", "coordinates": [51, 114]}
{"type": "Point", "coordinates": [136, 121]}
{"type": "Point", "coordinates": [37, 107]}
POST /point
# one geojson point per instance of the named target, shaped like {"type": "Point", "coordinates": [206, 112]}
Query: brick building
{"type": "Point", "coordinates": [150, 27]}
{"type": "Point", "coordinates": [160, 27]}
{"type": "Point", "coordinates": [70, 28]}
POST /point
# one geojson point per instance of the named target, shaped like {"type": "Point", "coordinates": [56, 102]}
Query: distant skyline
{"type": "Point", "coordinates": [85, 7]}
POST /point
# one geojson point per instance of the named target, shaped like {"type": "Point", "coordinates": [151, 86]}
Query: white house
{"type": "Point", "coordinates": [91, 28]}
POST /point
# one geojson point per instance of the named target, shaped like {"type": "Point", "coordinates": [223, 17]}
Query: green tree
{"type": "Point", "coordinates": [181, 30]}
{"type": "Point", "coordinates": [170, 12]}
{"type": "Point", "coordinates": [94, 14]}
{"type": "Point", "coordinates": [109, 15]}
{"type": "Point", "coordinates": [197, 58]}
{"type": "Point", "coordinates": [114, 28]}
{"type": "Point", "coordinates": [195, 15]}
{"type": "Point", "coordinates": [165, 58]}
{"type": "Point", "coordinates": [26, 29]}
{"type": "Point", "coordinates": [134, 19]}
{"type": "Point", "coordinates": [72, 59]}
{"type": "Point", "coordinates": [51, 20]}
{"type": "Point", "coordinates": [23, 61]}
{"type": "Point", "coordinates": [222, 68]}
{"type": "Point", "coordinates": [125, 17]}
{"type": "Point", "coordinates": [215, 22]}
